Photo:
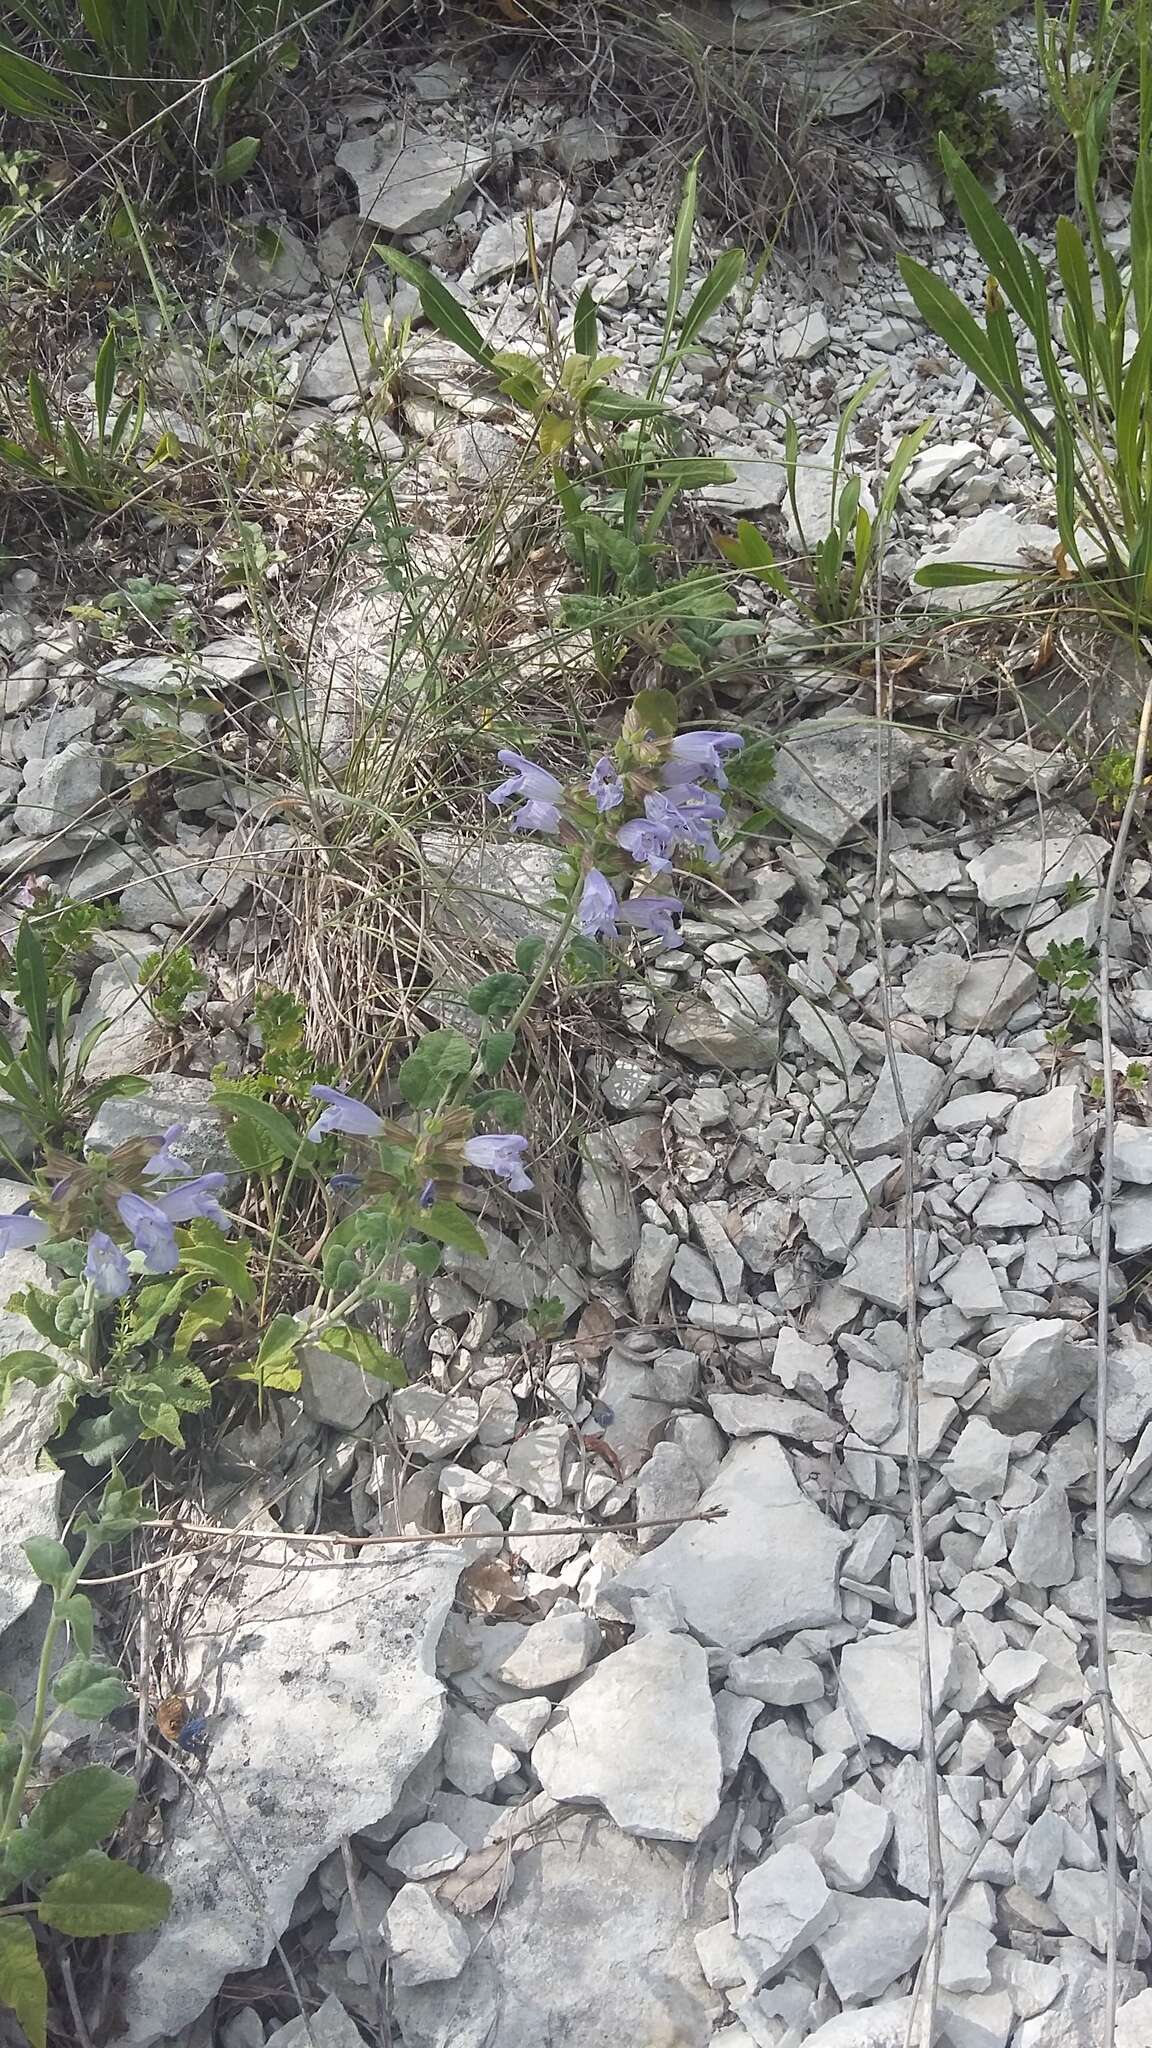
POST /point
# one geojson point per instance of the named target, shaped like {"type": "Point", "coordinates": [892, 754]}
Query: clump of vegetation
{"type": "Point", "coordinates": [947, 54]}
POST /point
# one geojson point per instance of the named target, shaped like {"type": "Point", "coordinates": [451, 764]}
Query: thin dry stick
{"type": "Point", "coordinates": [1107, 1177]}
{"type": "Point", "coordinates": [912, 1374]}
{"type": "Point", "coordinates": [78, 2021]}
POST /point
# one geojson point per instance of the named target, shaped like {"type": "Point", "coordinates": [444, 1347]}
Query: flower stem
{"type": "Point", "coordinates": [32, 1737]}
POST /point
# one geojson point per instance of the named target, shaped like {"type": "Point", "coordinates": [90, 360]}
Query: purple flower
{"type": "Point", "coordinates": [695, 754]}
{"type": "Point", "coordinates": [653, 914]}
{"type": "Point", "coordinates": [198, 1198]}
{"type": "Point", "coordinates": [605, 784]}
{"type": "Point", "coordinates": [525, 780]}
{"type": "Point", "coordinates": [599, 907]}
{"type": "Point", "coordinates": [19, 1232]}
{"type": "Point", "coordinates": [344, 1113]}
{"type": "Point", "coordinates": [152, 1232]}
{"type": "Point", "coordinates": [688, 815]}
{"type": "Point", "coordinates": [428, 1194]}
{"type": "Point", "coordinates": [536, 816]}
{"type": "Point", "coordinates": [166, 1162]}
{"type": "Point", "coordinates": [650, 845]}
{"type": "Point", "coordinates": [503, 1155]}
{"type": "Point", "coordinates": [106, 1267]}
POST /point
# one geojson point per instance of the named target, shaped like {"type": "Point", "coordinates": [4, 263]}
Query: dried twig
{"type": "Point", "coordinates": [1107, 1179]}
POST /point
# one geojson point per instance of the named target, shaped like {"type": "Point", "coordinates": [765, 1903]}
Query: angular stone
{"type": "Point", "coordinates": [856, 1850]}
{"type": "Point", "coordinates": [587, 1907]}
{"type": "Point", "coordinates": [330, 2026]}
{"type": "Point", "coordinates": [1036, 1376]}
{"type": "Point", "coordinates": [651, 1270]}
{"type": "Point", "coordinates": [781, 1907]}
{"type": "Point", "coordinates": [1132, 1155]}
{"type": "Point", "coordinates": [972, 1286]}
{"type": "Point", "coordinates": [878, 1268]}
{"type": "Point", "coordinates": [427, 1851]}
{"type": "Point", "coordinates": [978, 1464]}
{"type": "Point", "coordinates": [605, 1200]}
{"type": "Point", "coordinates": [880, 1683]}
{"type": "Point", "coordinates": [1129, 1387]}
{"type": "Point", "coordinates": [768, 1568]}
{"type": "Point", "coordinates": [923, 1086]}
{"type": "Point", "coordinates": [1048, 1137]}
{"type": "Point", "coordinates": [1016, 872]}
{"type": "Point", "coordinates": [1042, 1553]}
{"type": "Point", "coordinates": [638, 1735]}
{"type": "Point", "coordinates": [550, 1652]}
{"type": "Point", "coordinates": [427, 1943]}
{"type": "Point", "coordinates": [756, 1414]}
{"type": "Point", "coordinates": [877, 2026]}
{"type": "Point", "coordinates": [335, 1390]}
{"type": "Point", "coordinates": [825, 781]}
{"type": "Point", "coordinates": [930, 989]}
{"type": "Point", "coordinates": [59, 789]}
{"type": "Point", "coordinates": [992, 991]}
{"type": "Point", "coordinates": [408, 182]}
{"type": "Point", "coordinates": [170, 1099]}
{"type": "Point", "coordinates": [995, 539]}
{"type": "Point", "coordinates": [778, 1677]}
{"type": "Point", "coordinates": [870, 1944]}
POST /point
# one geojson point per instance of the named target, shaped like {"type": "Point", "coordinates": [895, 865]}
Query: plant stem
{"type": "Point", "coordinates": [547, 962]}
{"type": "Point", "coordinates": [32, 1737]}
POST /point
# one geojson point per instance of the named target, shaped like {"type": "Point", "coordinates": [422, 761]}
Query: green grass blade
{"type": "Point", "coordinates": [440, 308]}
{"type": "Point", "coordinates": [105, 381]}
{"type": "Point", "coordinates": [586, 326]}
{"type": "Point", "coordinates": [718, 286]}
{"type": "Point", "coordinates": [681, 253]}
{"type": "Point", "coordinates": [993, 238]}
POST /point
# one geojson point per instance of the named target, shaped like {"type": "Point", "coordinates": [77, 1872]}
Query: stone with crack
{"type": "Point", "coordinates": [871, 1943]}
{"type": "Point", "coordinates": [1048, 1136]}
{"type": "Point", "coordinates": [781, 1907]}
{"type": "Point", "coordinates": [880, 1682]}
{"type": "Point", "coordinates": [427, 1943]}
{"type": "Point", "coordinates": [825, 782]}
{"type": "Point", "coordinates": [409, 182]}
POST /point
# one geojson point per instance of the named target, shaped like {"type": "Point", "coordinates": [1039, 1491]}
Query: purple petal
{"type": "Point", "coordinates": [502, 1154]}
{"type": "Point", "coordinates": [20, 1232]}
{"type": "Point", "coordinates": [344, 1113]}
{"type": "Point", "coordinates": [599, 907]}
{"type": "Point", "coordinates": [106, 1266]}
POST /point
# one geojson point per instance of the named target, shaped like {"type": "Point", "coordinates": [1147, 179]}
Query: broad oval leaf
{"type": "Point", "coordinates": [73, 1815]}
{"type": "Point", "coordinates": [99, 1896]}
{"type": "Point", "coordinates": [448, 1224]}
{"type": "Point", "coordinates": [48, 1559]}
{"type": "Point", "coordinates": [439, 1060]}
{"type": "Point", "coordinates": [89, 1688]}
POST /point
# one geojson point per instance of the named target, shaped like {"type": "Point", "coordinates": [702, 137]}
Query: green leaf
{"type": "Point", "coordinates": [680, 254]}
{"type": "Point", "coordinates": [205, 1314]}
{"type": "Point", "coordinates": [496, 996]}
{"type": "Point", "coordinates": [429, 1073]}
{"type": "Point", "coordinates": [753, 770]}
{"type": "Point", "coordinates": [424, 1256]}
{"type": "Point", "coordinates": [448, 1224]}
{"type": "Point", "coordinates": [653, 711]}
{"type": "Point", "coordinates": [529, 953]}
{"type": "Point", "coordinates": [48, 1559]}
{"type": "Point", "coordinates": [585, 325]}
{"type": "Point", "coordinates": [77, 1612]}
{"type": "Point", "coordinates": [951, 575]}
{"type": "Point", "coordinates": [952, 321]}
{"type": "Point", "coordinates": [99, 1896]}
{"type": "Point", "coordinates": [440, 308]}
{"type": "Point", "coordinates": [23, 1988]}
{"type": "Point", "coordinates": [104, 379]}
{"type": "Point", "coordinates": [718, 286]}
{"type": "Point", "coordinates": [150, 1308]}
{"type": "Point", "coordinates": [29, 1365]}
{"type": "Point", "coordinates": [366, 1351]}
{"type": "Point", "coordinates": [73, 1814]}
{"type": "Point", "coordinates": [89, 1688]}
{"type": "Point", "coordinates": [691, 472]}
{"type": "Point", "coordinates": [9, 1710]}
{"type": "Point", "coordinates": [237, 160]}
{"type": "Point", "coordinates": [260, 1135]}
{"type": "Point", "coordinates": [496, 1049]}
{"type": "Point", "coordinates": [101, 1438]}
{"type": "Point", "coordinates": [220, 1261]}
{"type": "Point", "coordinates": [993, 238]}
{"type": "Point", "coordinates": [273, 1366]}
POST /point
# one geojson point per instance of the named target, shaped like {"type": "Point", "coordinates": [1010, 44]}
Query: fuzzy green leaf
{"type": "Point", "coordinates": [89, 1688]}
{"type": "Point", "coordinates": [98, 1896]}
{"type": "Point", "coordinates": [77, 1811]}
{"type": "Point", "coordinates": [429, 1073]}
{"type": "Point", "coordinates": [48, 1559]}
{"type": "Point", "coordinates": [23, 1988]}
{"type": "Point", "coordinates": [448, 1224]}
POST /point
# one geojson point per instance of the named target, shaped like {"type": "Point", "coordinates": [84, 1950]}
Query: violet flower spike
{"type": "Point", "coordinates": [653, 914]}
{"type": "Point", "coordinates": [599, 907]}
{"type": "Point", "coordinates": [106, 1267]}
{"type": "Point", "coordinates": [152, 1232]}
{"type": "Point", "coordinates": [20, 1232]}
{"type": "Point", "coordinates": [526, 780]}
{"type": "Point", "coordinates": [687, 817]}
{"type": "Point", "coordinates": [503, 1155]}
{"type": "Point", "coordinates": [165, 1162]}
{"type": "Point", "coordinates": [343, 1113]}
{"type": "Point", "coordinates": [694, 754]}
{"type": "Point", "coordinates": [605, 785]}
{"type": "Point", "coordinates": [197, 1198]}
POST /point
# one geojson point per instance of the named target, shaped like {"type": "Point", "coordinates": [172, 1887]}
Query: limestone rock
{"type": "Point", "coordinates": [409, 182]}
{"type": "Point", "coordinates": [638, 1735]}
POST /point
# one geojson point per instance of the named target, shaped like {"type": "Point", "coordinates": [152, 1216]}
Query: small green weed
{"type": "Point", "coordinates": [1070, 968]}
{"type": "Point", "coordinates": [43, 1078]}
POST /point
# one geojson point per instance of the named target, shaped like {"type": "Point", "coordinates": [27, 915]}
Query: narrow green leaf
{"type": "Point", "coordinates": [219, 1261]}
{"type": "Point", "coordinates": [366, 1351]}
{"type": "Point", "coordinates": [949, 317]}
{"type": "Point", "coordinates": [680, 255]}
{"type": "Point", "coordinates": [77, 1612]}
{"type": "Point", "coordinates": [105, 381]}
{"type": "Point", "coordinates": [261, 1136]}
{"type": "Point", "coordinates": [440, 308]}
{"type": "Point", "coordinates": [717, 287]}
{"type": "Point", "coordinates": [23, 1987]}
{"type": "Point", "coordinates": [585, 325]}
{"type": "Point", "coordinates": [99, 1896]}
{"type": "Point", "coordinates": [994, 240]}
{"type": "Point", "coordinates": [237, 160]}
